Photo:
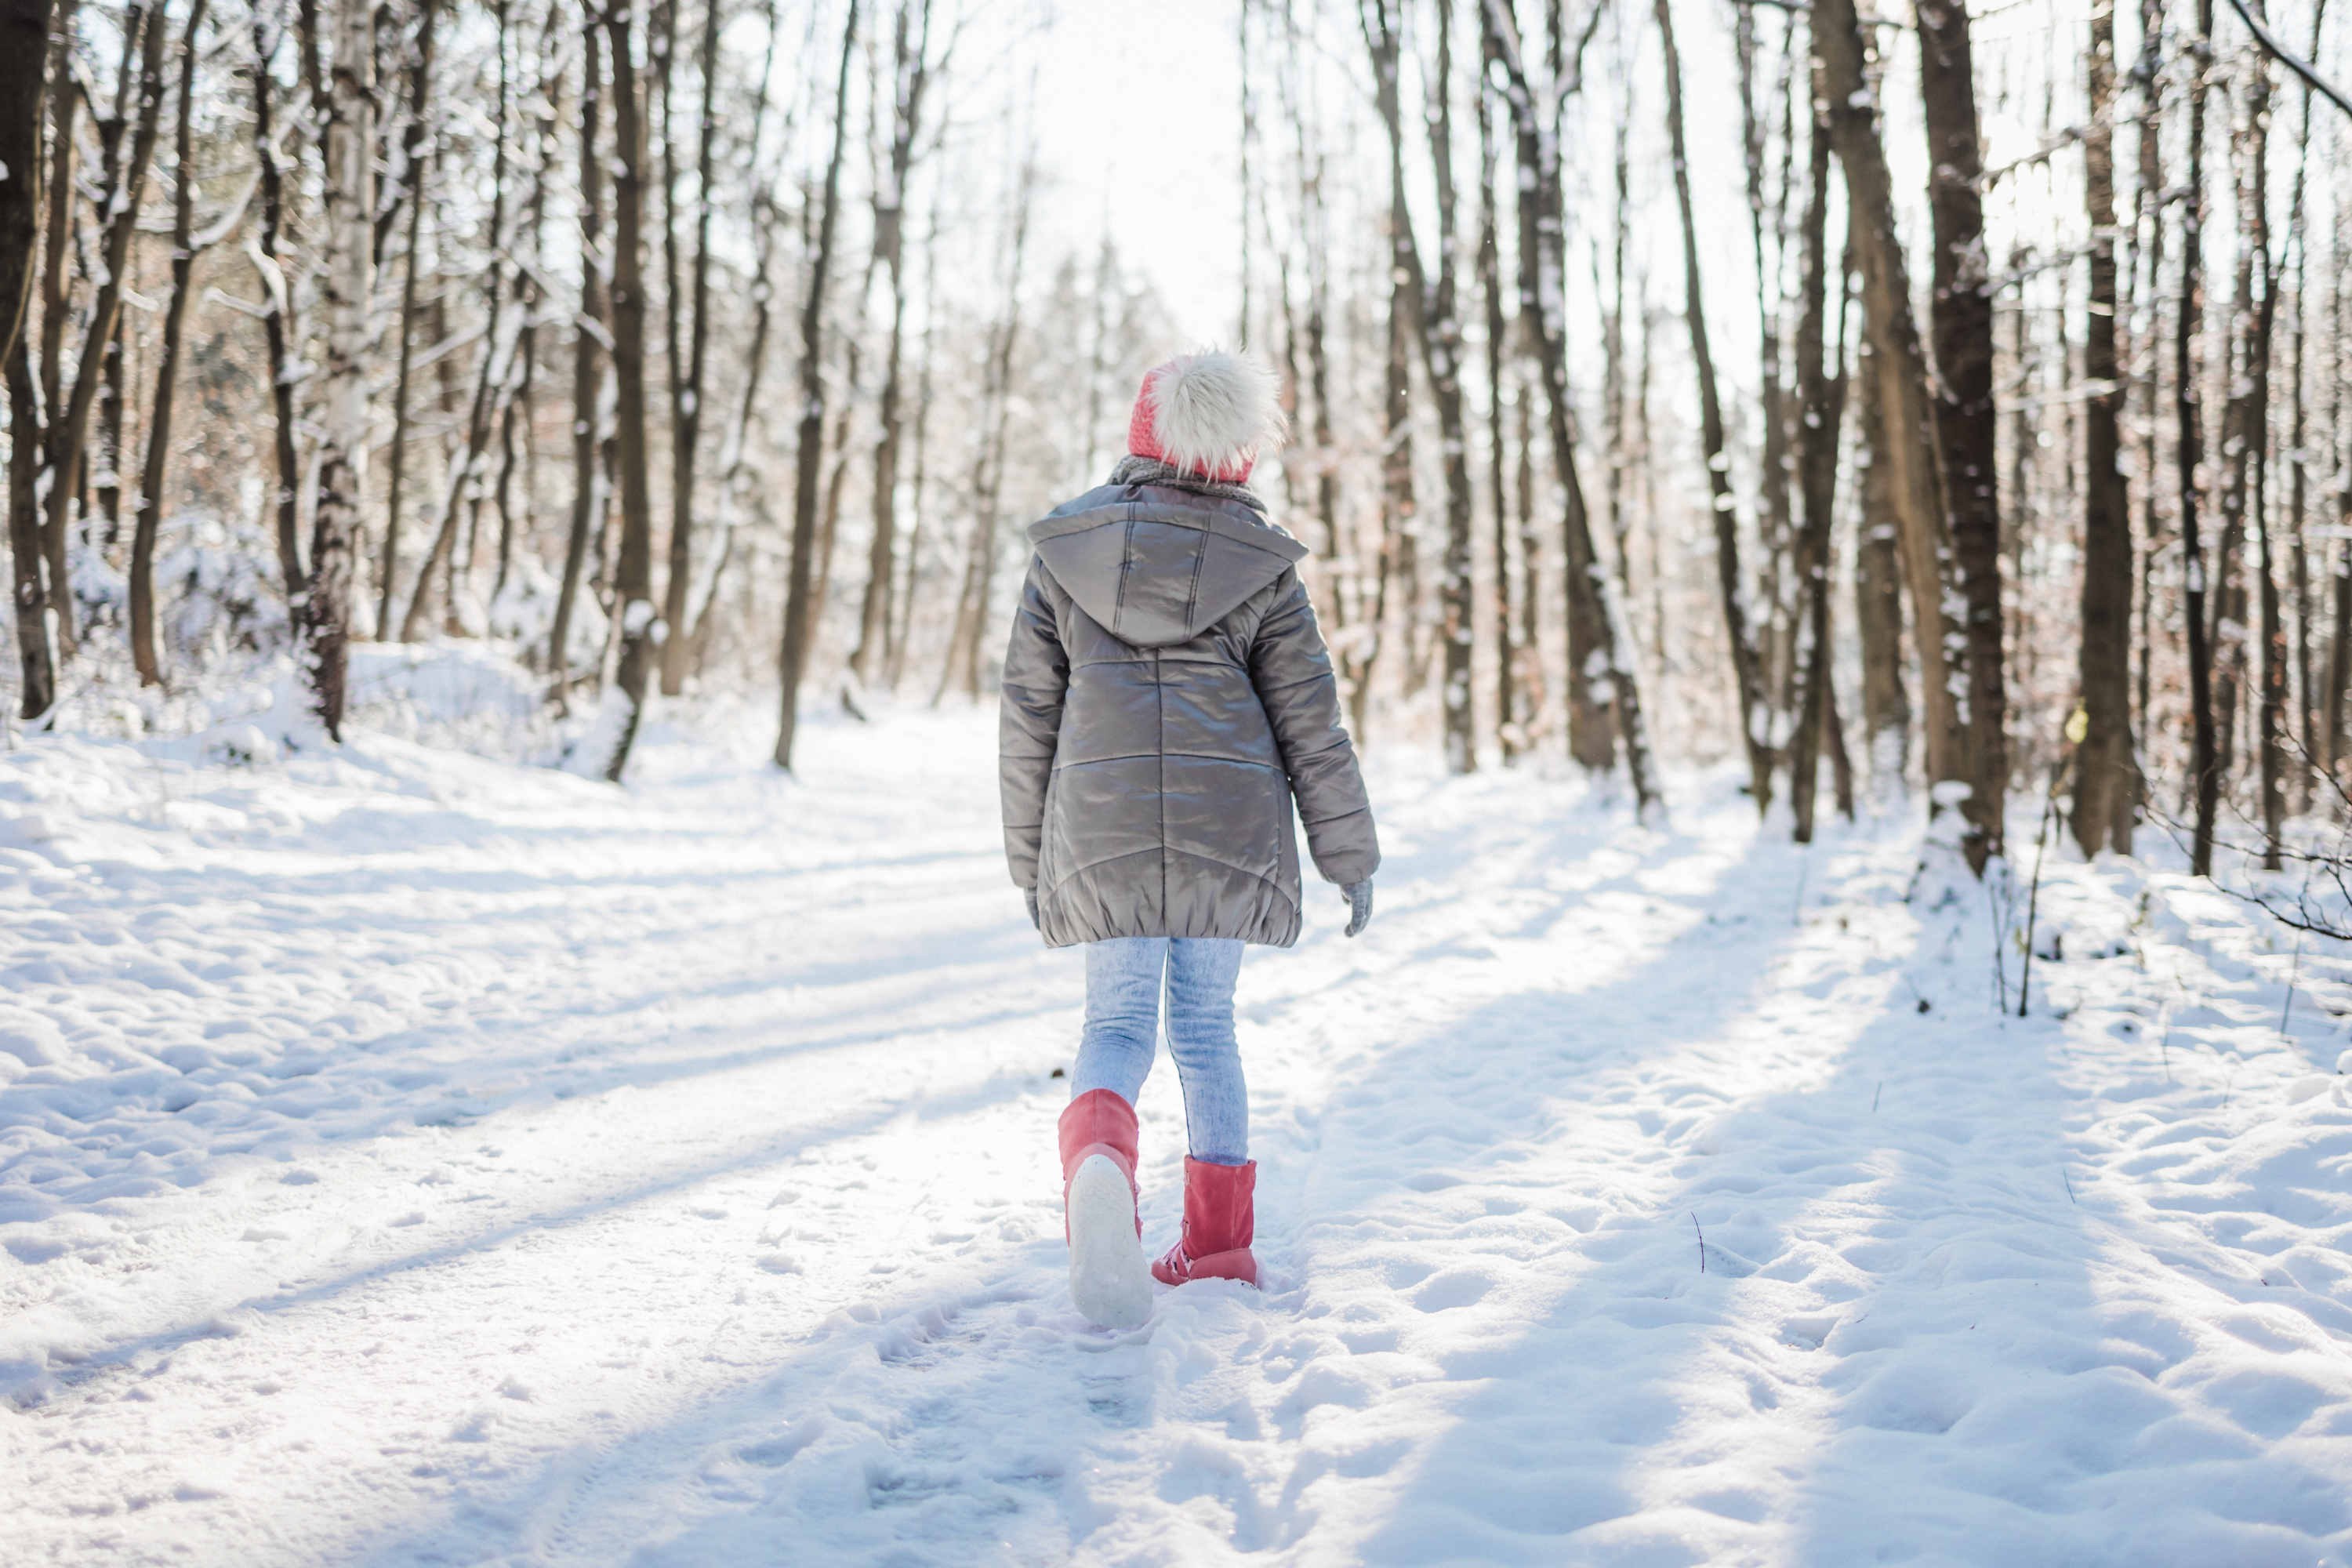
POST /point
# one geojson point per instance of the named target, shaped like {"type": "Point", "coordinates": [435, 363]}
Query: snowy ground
{"type": "Point", "coordinates": [410, 1159]}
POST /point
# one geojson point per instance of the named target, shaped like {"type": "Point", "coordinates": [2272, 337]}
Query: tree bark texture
{"type": "Point", "coordinates": [1878, 599]}
{"type": "Point", "coordinates": [121, 184]}
{"type": "Point", "coordinates": [910, 74]}
{"type": "Point", "coordinates": [686, 431]}
{"type": "Point", "coordinates": [2106, 781]}
{"type": "Point", "coordinates": [2189, 453]}
{"type": "Point", "coordinates": [1961, 322]}
{"type": "Point", "coordinates": [167, 366]}
{"type": "Point", "coordinates": [799, 623]}
{"type": "Point", "coordinates": [1898, 392]}
{"type": "Point", "coordinates": [587, 374]}
{"type": "Point", "coordinates": [633, 589]}
{"type": "Point", "coordinates": [1599, 677]}
{"type": "Point", "coordinates": [347, 283]}
{"type": "Point", "coordinates": [24, 80]}
{"type": "Point", "coordinates": [413, 141]}
{"type": "Point", "coordinates": [277, 317]}
{"type": "Point", "coordinates": [1746, 675]}
{"type": "Point", "coordinates": [1821, 394]}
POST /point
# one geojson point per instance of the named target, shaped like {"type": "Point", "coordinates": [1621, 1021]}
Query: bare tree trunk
{"type": "Point", "coordinates": [106, 483]}
{"type": "Point", "coordinates": [277, 320]}
{"type": "Point", "coordinates": [2339, 640]}
{"type": "Point", "coordinates": [1615, 420]}
{"type": "Point", "coordinates": [529, 246]}
{"type": "Point", "coordinates": [2248, 478]}
{"type": "Point", "coordinates": [633, 575]}
{"type": "Point", "coordinates": [733, 471]}
{"type": "Point", "coordinates": [2298, 457]}
{"type": "Point", "coordinates": [1746, 677]}
{"type": "Point", "coordinates": [902, 623]}
{"type": "Point", "coordinates": [413, 141]}
{"type": "Point", "coordinates": [2204, 772]}
{"type": "Point", "coordinates": [587, 381]}
{"type": "Point", "coordinates": [28, 401]}
{"type": "Point", "coordinates": [1507, 733]}
{"type": "Point", "coordinates": [798, 622]}
{"type": "Point", "coordinates": [58, 199]}
{"type": "Point", "coordinates": [1598, 676]}
{"type": "Point", "coordinates": [2106, 781]}
{"type": "Point", "coordinates": [121, 186]}
{"type": "Point", "coordinates": [25, 55]}
{"type": "Point", "coordinates": [1878, 600]}
{"type": "Point", "coordinates": [347, 284]}
{"type": "Point", "coordinates": [687, 417]}
{"type": "Point", "coordinates": [1960, 315]}
{"type": "Point", "coordinates": [493, 390]}
{"type": "Point", "coordinates": [1897, 394]}
{"type": "Point", "coordinates": [167, 366]}
{"type": "Point", "coordinates": [1430, 310]}
{"type": "Point", "coordinates": [910, 74]}
{"type": "Point", "coordinates": [2148, 200]}
{"type": "Point", "coordinates": [1441, 348]}
{"type": "Point", "coordinates": [829, 525]}
{"type": "Point", "coordinates": [1821, 397]}
{"type": "Point", "coordinates": [36, 663]}
{"type": "Point", "coordinates": [1773, 640]}
{"type": "Point", "coordinates": [988, 466]}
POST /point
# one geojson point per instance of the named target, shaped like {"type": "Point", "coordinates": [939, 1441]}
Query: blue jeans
{"type": "Point", "coordinates": [1123, 986]}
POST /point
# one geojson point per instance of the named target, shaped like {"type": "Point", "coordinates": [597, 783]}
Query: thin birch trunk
{"type": "Point", "coordinates": [153, 472]}
{"type": "Point", "coordinates": [121, 184]}
{"type": "Point", "coordinates": [734, 471]}
{"type": "Point", "coordinates": [587, 379]}
{"type": "Point", "coordinates": [1599, 677]}
{"type": "Point", "coordinates": [1430, 309]}
{"type": "Point", "coordinates": [988, 466]}
{"type": "Point", "coordinates": [277, 318]}
{"type": "Point", "coordinates": [1509, 734]}
{"type": "Point", "coordinates": [1747, 677]}
{"type": "Point", "coordinates": [798, 621]}
{"type": "Point", "coordinates": [413, 142]}
{"type": "Point", "coordinates": [1821, 394]}
{"type": "Point", "coordinates": [1878, 604]}
{"type": "Point", "coordinates": [2189, 454]}
{"type": "Point", "coordinates": [2149, 199]}
{"type": "Point", "coordinates": [633, 590]}
{"type": "Point", "coordinates": [347, 285]}
{"type": "Point", "coordinates": [686, 428]}
{"type": "Point", "coordinates": [910, 74]}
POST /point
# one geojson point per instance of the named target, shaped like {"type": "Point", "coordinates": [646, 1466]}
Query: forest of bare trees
{"type": "Point", "coordinates": [1951, 401]}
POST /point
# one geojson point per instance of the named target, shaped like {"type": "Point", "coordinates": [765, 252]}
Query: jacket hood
{"type": "Point", "coordinates": [1156, 566]}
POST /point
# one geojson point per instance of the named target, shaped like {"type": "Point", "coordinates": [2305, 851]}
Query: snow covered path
{"type": "Point", "coordinates": [407, 1159]}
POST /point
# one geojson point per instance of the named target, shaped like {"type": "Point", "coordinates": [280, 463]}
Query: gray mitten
{"type": "Point", "coordinates": [1360, 905]}
{"type": "Point", "coordinates": [1030, 895]}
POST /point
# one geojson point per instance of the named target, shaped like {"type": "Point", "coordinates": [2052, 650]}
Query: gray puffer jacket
{"type": "Point", "coordinates": [1166, 697]}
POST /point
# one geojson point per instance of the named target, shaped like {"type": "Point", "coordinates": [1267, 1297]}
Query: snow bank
{"type": "Point", "coordinates": [407, 1156]}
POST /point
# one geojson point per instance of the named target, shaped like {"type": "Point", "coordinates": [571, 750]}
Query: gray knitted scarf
{"type": "Point", "coordinates": [1132, 470]}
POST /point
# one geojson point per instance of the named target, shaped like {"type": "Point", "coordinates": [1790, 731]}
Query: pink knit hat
{"type": "Point", "coordinates": [1209, 414]}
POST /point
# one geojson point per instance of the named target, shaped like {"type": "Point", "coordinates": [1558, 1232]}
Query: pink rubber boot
{"type": "Point", "coordinates": [1220, 1222]}
{"type": "Point", "coordinates": [1108, 1282]}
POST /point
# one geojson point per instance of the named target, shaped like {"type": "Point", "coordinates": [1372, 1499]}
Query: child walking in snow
{"type": "Point", "coordinates": [1167, 696]}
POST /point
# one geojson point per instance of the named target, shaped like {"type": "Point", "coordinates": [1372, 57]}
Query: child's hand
{"type": "Point", "coordinates": [1360, 905]}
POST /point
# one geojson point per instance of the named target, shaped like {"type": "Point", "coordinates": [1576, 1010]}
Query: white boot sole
{"type": "Point", "coordinates": [1109, 1281]}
